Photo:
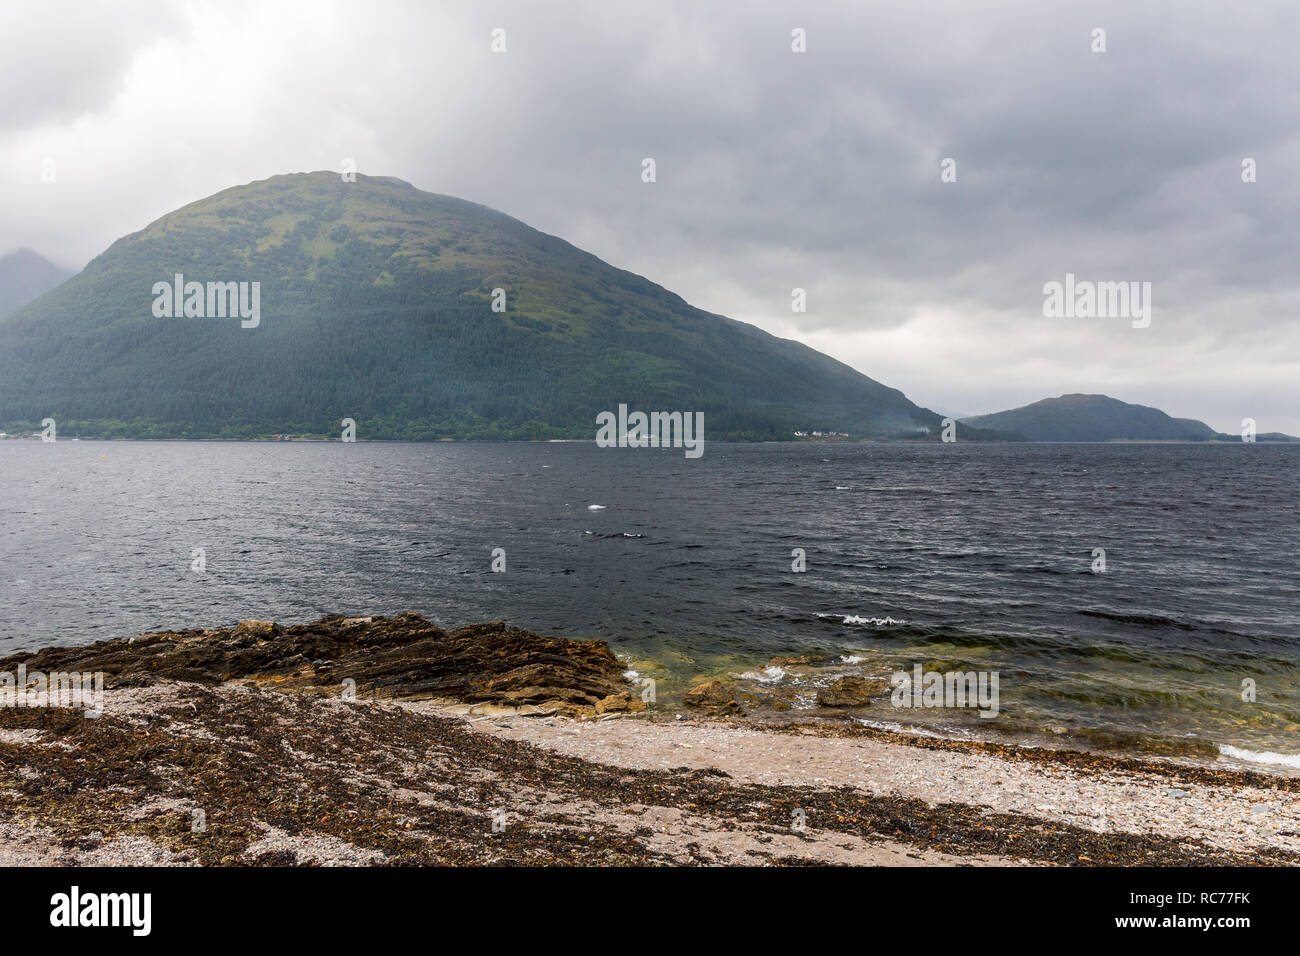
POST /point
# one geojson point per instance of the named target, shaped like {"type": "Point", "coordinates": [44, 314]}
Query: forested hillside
{"type": "Point", "coordinates": [376, 305]}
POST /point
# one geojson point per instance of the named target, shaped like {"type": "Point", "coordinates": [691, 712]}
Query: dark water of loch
{"type": "Point", "coordinates": [972, 557]}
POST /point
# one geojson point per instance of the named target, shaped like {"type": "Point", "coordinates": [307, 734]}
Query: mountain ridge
{"type": "Point", "coordinates": [1080, 417]}
{"type": "Point", "coordinates": [417, 272]}
{"type": "Point", "coordinates": [25, 275]}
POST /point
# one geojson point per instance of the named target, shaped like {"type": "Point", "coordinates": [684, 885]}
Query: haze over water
{"type": "Point", "coordinates": [968, 556]}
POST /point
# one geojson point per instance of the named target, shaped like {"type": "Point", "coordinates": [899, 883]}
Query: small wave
{"type": "Point", "coordinates": [1267, 756]}
{"type": "Point", "coordinates": [949, 733]}
{"type": "Point", "coordinates": [769, 675]}
{"type": "Point", "coordinates": [851, 659]}
{"type": "Point", "coordinates": [595, 507]}
{"type": "Point", "coordinates": [1142, 620]}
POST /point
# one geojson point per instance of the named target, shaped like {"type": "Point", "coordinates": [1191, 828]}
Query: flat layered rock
{"type": "Point", "coordinates": [405, 656]}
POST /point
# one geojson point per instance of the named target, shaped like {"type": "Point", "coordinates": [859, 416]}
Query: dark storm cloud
{"type": "Point", "coordinates": [775, 169]}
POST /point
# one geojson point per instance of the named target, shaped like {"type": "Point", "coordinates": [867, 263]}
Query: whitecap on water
{"type": "Point", "coordinates": [858, 619]}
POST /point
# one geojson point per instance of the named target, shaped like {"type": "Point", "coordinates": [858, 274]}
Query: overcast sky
{"type": "Point", "coordinates": [775, 169]}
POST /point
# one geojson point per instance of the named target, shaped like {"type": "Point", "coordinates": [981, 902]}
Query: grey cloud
{"type": "Point", "coordinates": [60, 61]}
{"type": "Point", "coordinates": [820, 170]}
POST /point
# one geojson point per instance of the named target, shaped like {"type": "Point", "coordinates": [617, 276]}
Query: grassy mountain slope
{"type": "Point", "coordinates": [1092, 418]}
{"type": "Point", "coordinates": [376, 305]}
{"type": "Point", "coordinates": [24, 275]}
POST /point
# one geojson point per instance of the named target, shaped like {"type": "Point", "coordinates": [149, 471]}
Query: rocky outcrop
{"type": "Point", "coordinates": [851, 692]}
{"type": "Point", "coordinates": [713, 695]}
{"type": "Point", "coordinates": [620, 704]}
{"type": "Point", "coordinates": [388, 657]}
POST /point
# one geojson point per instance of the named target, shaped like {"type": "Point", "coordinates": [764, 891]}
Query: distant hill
{"type": "Point", "coordinates": [376, 304]}
{"type": "Point", "coordinates": [1100, 418]}
{"type": "Point", "coordinates": [24, 275]}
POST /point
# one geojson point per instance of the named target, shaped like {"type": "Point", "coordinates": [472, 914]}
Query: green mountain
{"type": "Point", "coordinates": [24, 275]}
{"type": "Point", "coordinates": [376, 304]}
{"type": "Point", "coordinates": [1092, 418]}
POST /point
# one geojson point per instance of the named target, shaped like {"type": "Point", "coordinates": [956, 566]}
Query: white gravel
{"type": "Point", "coordinates": [1233, 818]}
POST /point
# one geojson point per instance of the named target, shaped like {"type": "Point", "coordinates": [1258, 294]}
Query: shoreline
{"type": "Point", "coordinates": [490, 745]}
{"type": "Point", "coordinates": [300, 779]}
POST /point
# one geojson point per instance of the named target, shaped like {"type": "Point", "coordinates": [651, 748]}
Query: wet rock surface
{"type": "Point", "coordinates": [714, 696]}
{"type": "Point", "coordinates": [851, 692]}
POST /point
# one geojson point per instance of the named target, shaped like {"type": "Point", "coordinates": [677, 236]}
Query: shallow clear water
{"type": "Point", "coordinates": [984, 553]}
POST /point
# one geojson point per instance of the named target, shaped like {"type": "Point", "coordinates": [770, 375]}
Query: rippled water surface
{"type": "Point", "coordinates": [970, 556]}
